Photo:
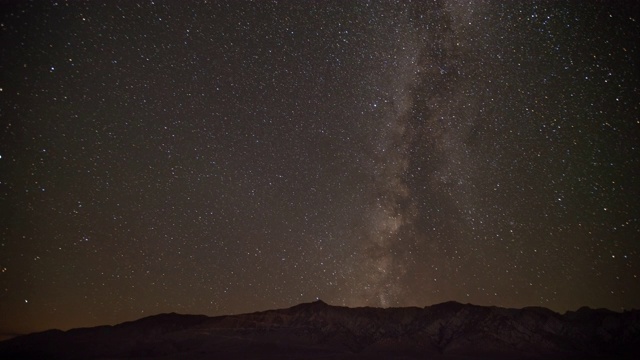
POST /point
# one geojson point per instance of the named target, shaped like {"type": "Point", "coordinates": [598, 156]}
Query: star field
{"type": "Point", "coordinates": [232, 156]}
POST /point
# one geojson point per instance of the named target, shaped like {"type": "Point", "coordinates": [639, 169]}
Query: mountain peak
{"type": "Point", "coordinates": [317, 304]}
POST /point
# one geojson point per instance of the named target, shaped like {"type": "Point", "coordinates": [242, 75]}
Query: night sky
{"type": "Point", "coordinates": [228, 157]}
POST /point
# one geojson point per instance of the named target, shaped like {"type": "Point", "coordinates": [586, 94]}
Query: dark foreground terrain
{"type": "Point", "coordinates": [320, 331]}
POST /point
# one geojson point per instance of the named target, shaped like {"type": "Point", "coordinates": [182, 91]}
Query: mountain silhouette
{"type": "Point", "coordinates": [320, 331]}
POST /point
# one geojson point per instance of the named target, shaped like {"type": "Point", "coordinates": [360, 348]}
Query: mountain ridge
{"type": "Point", "coordinates": [317, 330]}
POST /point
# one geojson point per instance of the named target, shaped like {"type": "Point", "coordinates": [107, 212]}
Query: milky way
{"type": "Point", "coordinates": [230, 157]}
